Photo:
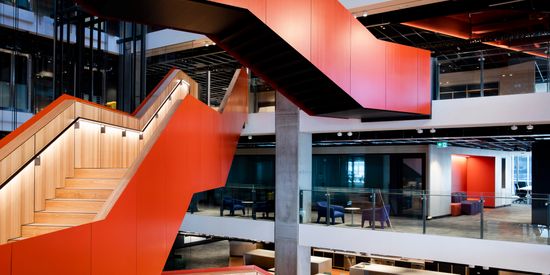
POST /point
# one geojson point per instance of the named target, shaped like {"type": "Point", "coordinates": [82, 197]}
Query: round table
{"type": "Point", "coordinates": [352, 210]}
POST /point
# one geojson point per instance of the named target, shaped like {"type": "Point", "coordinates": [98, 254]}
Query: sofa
{"type": "Point", "coordinates": [467, 206]}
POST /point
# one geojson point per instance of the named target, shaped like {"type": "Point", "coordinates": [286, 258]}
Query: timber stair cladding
{"type": "Point", "coordinates": [77, 203]}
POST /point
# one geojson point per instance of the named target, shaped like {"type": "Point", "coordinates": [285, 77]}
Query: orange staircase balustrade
{"type": "Point", "coordinates": [192, 154]}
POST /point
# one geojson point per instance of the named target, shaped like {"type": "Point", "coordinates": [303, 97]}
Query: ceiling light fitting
{"type": "Point", "coordinates": [514, 127]}
{"type": "Point", "coordinates": [420, 131]}
{"type": "Point", "coordinates": [529, 127]}
{"type": "Point", "coordinates": [249, 137]}
{"type": "Point", "coordinates": [339, 134]}
{"type": "Point", "coordinates": [432, 130]}
{"type": "Point", "coordinates": [350, 134]}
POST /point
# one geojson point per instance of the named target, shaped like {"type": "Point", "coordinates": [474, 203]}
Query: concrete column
{"type": "Point", "coordinates": [290, 168]}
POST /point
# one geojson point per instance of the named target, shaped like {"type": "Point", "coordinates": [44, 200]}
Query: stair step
{"type": "Point", "coordinates": [81, 193]}
{"type": "Point", "coordinates": [15, 240]}
{"type": "Point", "coordinates": [92, 183]}
{"type": "Point", "coordinates": [74, 205]}
{"type": "Point", "coordinates": [73, 218]}
{"type": "Point", "coordinates": [35, 229]}
{"type": "Point", "coordinates": [100, 173]}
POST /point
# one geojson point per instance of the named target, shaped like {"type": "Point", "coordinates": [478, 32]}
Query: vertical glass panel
{"type": "Point", "coordinates": [21, 84]}
{"type": "Point", "coordinates": [5, 73]}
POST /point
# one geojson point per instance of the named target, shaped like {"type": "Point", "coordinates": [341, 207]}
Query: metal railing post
{"type": "Point", "coordinates": [373, 209]}
{"type": "Point", "coordinates": [253, 202]}
{"type": "Point", "coordinates": [424, 211]}
{"type": "Point", "coordinates": [327, 218]}
{"type": "Point", "coordinates": [548, 219]}
{"type": "Point", "coordinates": [481, 229]}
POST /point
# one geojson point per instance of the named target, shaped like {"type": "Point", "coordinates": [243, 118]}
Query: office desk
{"type": "Point", "coordinates": [377, 269]}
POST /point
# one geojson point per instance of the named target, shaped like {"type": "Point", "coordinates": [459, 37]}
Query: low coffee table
{"type": "Point", "coordinates": [352, 210]}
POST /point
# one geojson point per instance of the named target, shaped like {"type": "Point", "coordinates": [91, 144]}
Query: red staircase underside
{"type": "Point", "coordinates": [192, 154]}
{"type": "Point", "coordinates": [315, 52]}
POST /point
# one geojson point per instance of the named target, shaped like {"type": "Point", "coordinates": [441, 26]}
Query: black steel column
{"type": "Point", "coordinates": [541, 181]}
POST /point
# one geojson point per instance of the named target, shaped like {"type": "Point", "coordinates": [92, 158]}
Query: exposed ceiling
{"type": "Point", "coordinates": [501, 138]}
{"type": "Point", "coordinates": [196, 62]}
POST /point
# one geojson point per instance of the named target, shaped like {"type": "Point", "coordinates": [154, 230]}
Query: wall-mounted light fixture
{"type": "Point", "coordinates": [37, 161]}
{"type": "Point", "coordinates": [77, 125]}
{"type": "Point", "coordinates": [123, 133]}
{"type": "Point", "coordinates": [102, 129]}
{"type": "Point", "coordinates": [140, 136]}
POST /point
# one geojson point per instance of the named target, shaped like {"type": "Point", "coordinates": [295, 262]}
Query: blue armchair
{"type": "Point", "coordinates": [336, 211]}
{"type": "Point", "coordinates": [231, 204]}
{"type": "Point", "coordinates": [381, 214]}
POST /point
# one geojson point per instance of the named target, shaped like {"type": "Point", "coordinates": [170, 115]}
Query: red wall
{"type": "Point", "coordinates": [459, 172]}
{"type": "Point", "coordinates": [192, 154]}
{"type": "Point", "coordinates": [481, 178]}
{"type": "Point", "coordinates": [377, 74]}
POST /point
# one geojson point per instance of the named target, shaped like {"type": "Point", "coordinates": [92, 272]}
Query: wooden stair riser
{"type": "Point", "coordinates": [32, 230]}
{"type": "Point", "coordinates": [111, 173]}
{"type": "Point", "coordinates": [67, 193]}
{"type": "Point", "coordinates": [63, 218]}
{"type": "Point", "coordinates": [91, 183]}
{"type": "Point", "coordinates": [74, 205]}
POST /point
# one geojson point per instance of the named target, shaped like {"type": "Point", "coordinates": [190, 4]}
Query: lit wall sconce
{"type": "Point", "coordinates": [103, 129]}
{"type": "Point", "coordinates": [77, 125]}
{"type": "Point", "coordinates": [140, 136]}
{"type": "Point", "coordinates": [37, 161]}
{"type": "Point", "coordinates": [123, 133]}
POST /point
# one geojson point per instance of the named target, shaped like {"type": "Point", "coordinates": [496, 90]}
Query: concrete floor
{"type": "Point", "coordinates": [509, 223]}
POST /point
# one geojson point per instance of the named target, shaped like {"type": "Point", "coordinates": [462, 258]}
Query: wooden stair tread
{"type": "Point", "coordinates": [74, 205]}
{"type": "Point", "coordinates": [82, 193]}
{"type": "Point", "coordinates": [35, 229]}
{"type": "Point", "coordinates": [91, 183]}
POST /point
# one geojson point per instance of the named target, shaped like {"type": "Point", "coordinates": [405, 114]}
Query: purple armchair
{"type": "Point", "coordinates": [381, 214]}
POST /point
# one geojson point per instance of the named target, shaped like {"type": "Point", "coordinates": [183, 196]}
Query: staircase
{"type": "Point", "coordinates": [77, 203]}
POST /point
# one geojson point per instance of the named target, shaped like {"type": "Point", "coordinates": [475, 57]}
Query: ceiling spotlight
{"type": "Point", "coordinates": [514, 127]}
{"type": "Point", "coordinates": [432, 130]}
{"type": "Point", "coordinates": [350, 134]}
{"type": "Point", "coordinates": [339, 134]}
{"type": "Point", "coordinates": [365, 14]}
{"type": "Point", "coordinates": [420, 131]}
{"type": "Point", "coordinates": [249, 137]}
{"type": "Point", "coordinates": [529, 127]}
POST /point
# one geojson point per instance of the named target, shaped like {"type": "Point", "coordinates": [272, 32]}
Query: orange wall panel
{"type": "Point", "coordinates": [62, 252]}
{"type": "Point", "coordinates": [368, 68]}
{"type": "Point", "coordinates": [257, 7]}
{"type": "Point", "coordinates": [424, 82]}
{"type": "Point", "coordinates": [481, 178]}
{"type": "Point", "coordinates": [291, 20]}
{"type": "Point", "coordinates": [114, 239]}
{"type": "Point", "coordinates": [401, 78]}
{"type": "Point", "coordinates": [330, 41]}
{"type": "Point", "coordinates": [459, 171]}
{"type": "Point", "coordinates": [5, 259]}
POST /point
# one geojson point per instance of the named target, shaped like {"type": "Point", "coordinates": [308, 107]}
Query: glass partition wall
{"type": "Point", "coordinates": [493, 71]}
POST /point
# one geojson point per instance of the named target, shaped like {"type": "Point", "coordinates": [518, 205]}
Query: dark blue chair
{"type": "Point", "coordinates": [336, 211]}
{"type": "Point", "coordinates": [232, 205]}
{"type": "Point", "coordinates": [265, 207]}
